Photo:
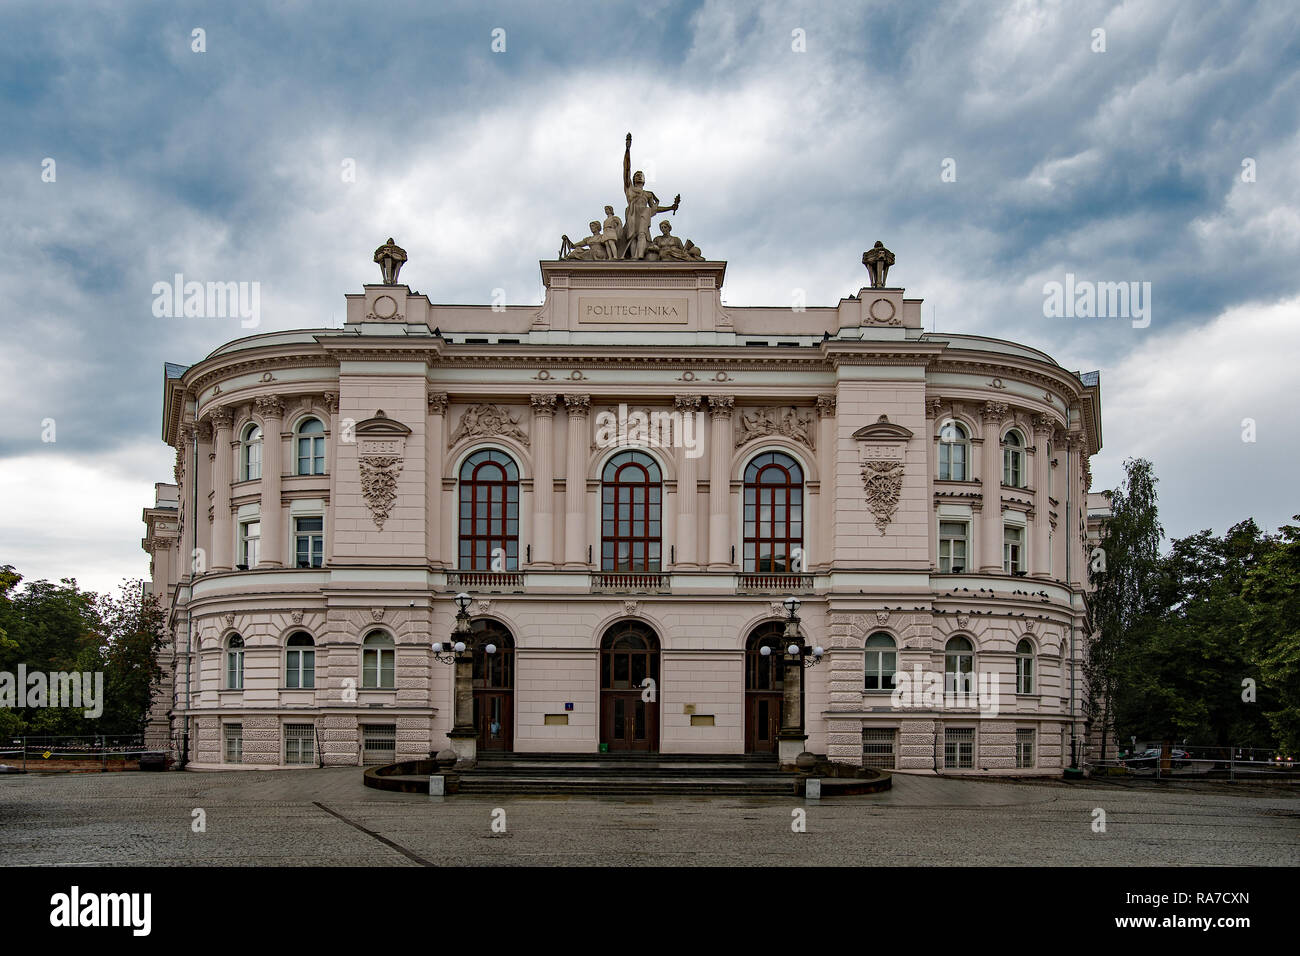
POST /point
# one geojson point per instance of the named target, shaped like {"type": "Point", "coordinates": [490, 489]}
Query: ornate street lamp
{"type": "Point", "coordinates": [460, 651]}
{"type": "Point", "coordinates": [798, 656]}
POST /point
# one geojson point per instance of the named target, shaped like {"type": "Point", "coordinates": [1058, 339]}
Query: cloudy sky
{"type": "Point", "coordinates": [797, 134]}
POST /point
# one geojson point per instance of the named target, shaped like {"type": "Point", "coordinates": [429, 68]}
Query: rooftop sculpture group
{"type": "Point", "coordinates": [629, 237]}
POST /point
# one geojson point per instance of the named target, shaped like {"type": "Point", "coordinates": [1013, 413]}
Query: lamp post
{"type": "Point", "coordinates": [460, 652]}
{"type": "Point", "coordinates": [790, 739]}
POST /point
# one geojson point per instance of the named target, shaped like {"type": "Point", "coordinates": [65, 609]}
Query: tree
{"type": "Point", "coordinates": [1271, 594]}
{"type": "Point", "coordinates": [1123, 576]}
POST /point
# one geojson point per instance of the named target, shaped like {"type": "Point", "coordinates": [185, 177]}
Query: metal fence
{"type": "Point", "coordinates": [1206, 763]}
{"type": "Point", "coordinates": [47, 754]}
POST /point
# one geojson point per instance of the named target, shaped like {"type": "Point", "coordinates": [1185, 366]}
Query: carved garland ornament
{"type": "Point", "coordinates": [381, 443]}
{"type": "Point", "coordinates": [883, 447]}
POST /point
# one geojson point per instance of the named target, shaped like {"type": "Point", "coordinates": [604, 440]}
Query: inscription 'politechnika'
{"type": "Point", "coordinates": [640, 310]}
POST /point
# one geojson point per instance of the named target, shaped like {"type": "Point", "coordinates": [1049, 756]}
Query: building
{"type": "Point", "coordinates": [627, 481]}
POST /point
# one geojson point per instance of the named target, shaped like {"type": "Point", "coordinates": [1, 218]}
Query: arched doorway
{"type": "Point", "coordinates": [629, 654]}
{"type": "Point", "coordinates": [764, 687]}
{"type": "Point", "coordinates": [494, 686]}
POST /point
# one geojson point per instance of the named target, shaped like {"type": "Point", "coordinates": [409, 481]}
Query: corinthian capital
{"type": "Point", "coordinates": [220, 416]}
{"type": "Point", "coordinates": [825, 406]}
{"type": "Point", "coordinates": [994, 411]}
{"type": "Point", "coordinates": [687, 403]}
{"type": "Point", "coordinates": [269, 406]}
{"type": "Point", "coordinates": [720, 406]}
{"type": "Point", "coordinates": [577, 404]}
{"type": "Point", "coordinates": [438, 403]}
{"type": "Point", "coordinates": [543, 404]}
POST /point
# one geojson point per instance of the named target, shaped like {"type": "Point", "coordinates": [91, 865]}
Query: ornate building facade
{"type": "Point", "coordinates": [628, 482]}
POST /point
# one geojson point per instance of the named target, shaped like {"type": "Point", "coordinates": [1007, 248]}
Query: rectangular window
{"type": "Point", "coordinates": [300, 668]}
{"type": "Point", "coordinates": [1013, 460]}
{"type": "Point", "coordinates": [250, 532]}
{"type": "Point", "coordinates": [234, 669]}
{"type": "Point", "coordinates": [1013, 549]}
{"type": "Point", "coordinates": [952, 547]}
{"type": "Point", "coordinates": [377, 668]}
{"type": "Point", "coordinates": [378, 744]}
{"type": "Point", "coordinates": [881, 666]}
{"type": "Point", "coordinates": [1024, 747]}
{"type": "Point", "coordinates": [878, 747]}
{"type": "Point", "coordinates": [309, 541]}
{"type": "Point", "coordinates": [234, 738]}
{"type": "Point", "coordinates": [1024, 675]}
{"type": "Point", "coordinates": [300, 744]}
{"type": "Point", "coordinates": [959, 748]}
{"type": "Point", "coordinates": [952, 461]}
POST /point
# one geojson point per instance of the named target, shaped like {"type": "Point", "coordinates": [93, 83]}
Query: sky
{"type": "Point", "coordinates": [995, 147]}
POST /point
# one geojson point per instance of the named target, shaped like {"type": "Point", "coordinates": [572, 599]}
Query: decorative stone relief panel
{"type": "Point", "coordinates": [381, 446]}
{"type": "Point", "coordinates": [485, 420]}
{"type": "Point", "coordinates": [883, 446]}
{"type": "Point", "coordinates": [786, 421]}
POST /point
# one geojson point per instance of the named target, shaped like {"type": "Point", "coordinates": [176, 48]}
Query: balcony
{"type": "Point", "coordinates": [622, 582]}
{"type": "Point", "coordinates": [774, 583]}
{"type": "Point", "coordinates": [486, 580]}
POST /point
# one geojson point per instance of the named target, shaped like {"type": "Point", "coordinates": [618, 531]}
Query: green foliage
{"type": "Point", "coordinates": [1181, 634]}
{"type": "Point", "coordinates": [51, 628]}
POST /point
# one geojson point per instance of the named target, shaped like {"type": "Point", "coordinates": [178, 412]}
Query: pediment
{"type": "Point", "coordinates": [883, 430]}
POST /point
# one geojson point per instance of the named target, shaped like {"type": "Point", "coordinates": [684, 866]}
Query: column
{"type": "Point", "coordinates": [991, 487]}
{"type": "Point", "coordinates": [933, 408]}
{"type": "Point", "coordinates": [720, 446]}
{"type": "Point", "coordinates": [433, 449]}
{"type": "Point", "coordinates": [332, 459]}
{"type": "Point", "coordinates": [223, 539]}
{"type": "Point", "coordinates": [203, 539]}
{"type": "Point", "coordinates": [575, 481]}
{"type": "Point", "coordinates": [1041, 550]}
{"type": "Point", "coordinates": [687, 492]}
{"type": "Point", "coordinates": [543, 533]}
{"type": "Point", "coordinates": [819, 547]}
{"type": "Point", "coordinates": [271, 408]}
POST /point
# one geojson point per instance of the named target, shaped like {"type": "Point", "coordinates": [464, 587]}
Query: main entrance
{"type": "Point", "coordinates": [629, 655]}
{"type": "Point", "coordinates": [494, 686]}
{"type": "Point", "coordinates": [763, 687]}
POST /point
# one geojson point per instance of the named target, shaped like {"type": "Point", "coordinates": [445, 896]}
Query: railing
{"type": "Point", "coordinates": [625, 582]}
{"type": "Point", "coordinates": [486, 580]}
{"type": "Point", "coordinates": [72, 753]}
{"type": "Point", "coordinates": [768, 583]}
{"type": "Point", "coordinates": [1192, 762]}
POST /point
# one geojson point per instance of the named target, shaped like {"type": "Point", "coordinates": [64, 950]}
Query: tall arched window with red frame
{"type": "Point", "coordinates": [773, 514]}
{"type": "Point", "coordinates": [489, 512]}
{"type": "Point", "coordinates": [630, 513]}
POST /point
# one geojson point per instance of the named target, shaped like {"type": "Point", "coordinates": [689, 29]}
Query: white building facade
{"type": "Point", "coordinates": [627, 481]}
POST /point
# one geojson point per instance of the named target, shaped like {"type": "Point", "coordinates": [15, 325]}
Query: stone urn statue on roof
{"type": "Point", "coordinates": [878, 259]}
{"type": "Point", "coordinates": [390, 257]}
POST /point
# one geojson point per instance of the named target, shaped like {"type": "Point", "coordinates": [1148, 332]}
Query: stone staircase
{"type": "Point", "coordinates": [626, 774]}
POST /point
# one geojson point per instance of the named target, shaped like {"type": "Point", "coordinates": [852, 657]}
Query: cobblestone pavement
{"type": "Point", "coordinates": [326, 817]}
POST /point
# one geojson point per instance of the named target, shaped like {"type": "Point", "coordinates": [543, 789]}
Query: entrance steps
{"type": "Point", "coordinates": [627, 774]}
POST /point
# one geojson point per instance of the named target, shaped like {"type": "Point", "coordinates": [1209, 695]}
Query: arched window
{"type": "Point", "coordinates": [954, 452]}
{"type": "Point", "coordinates": [882, 662]}
{"type": "Point", "coordinates": [235, 663]}
{"type": "Point", "coordinates": [959, 666]}
{"type": "Point", "coordinates": [311, 447]}
{"type": "Point", "coordinates": [250, 452]}
{"type": "Point", "coordinates": [1013, 459]}
{"type": "Point", "coordinates": [773, 514]}
{"type": "Point", "coordinates": [300, 662]}
{"type": "Point", "coordinates": [378, 662]}
{"type": "Point", "coordinates": [630, 513]}
{"type": "Point", "coordinates": [489, 512]}
{"type": "Point", "coordinates": [1025, 667]}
